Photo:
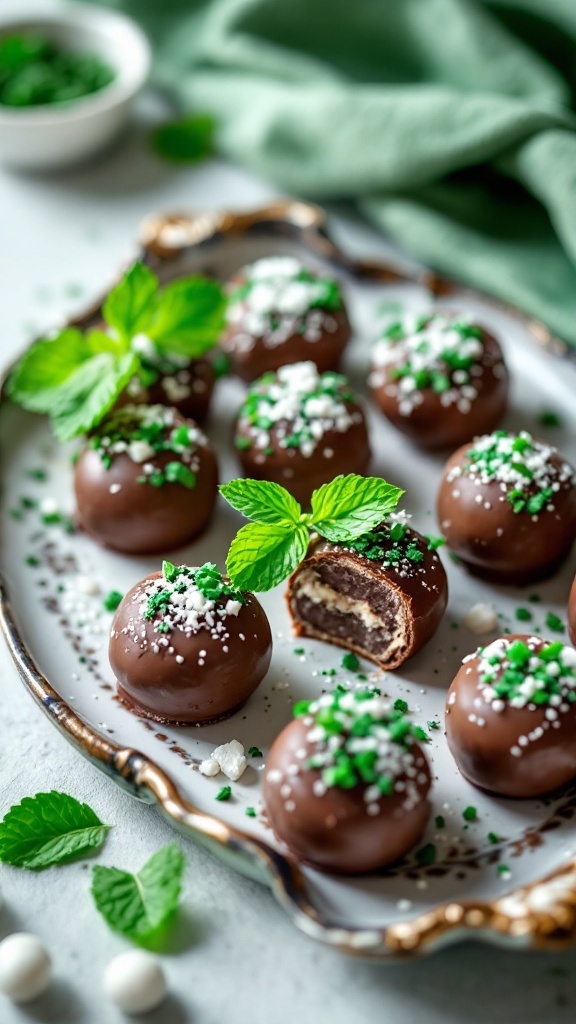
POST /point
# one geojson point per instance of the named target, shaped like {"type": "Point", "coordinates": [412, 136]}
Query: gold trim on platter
{"type": "Point", "coordinates": [538, 916]}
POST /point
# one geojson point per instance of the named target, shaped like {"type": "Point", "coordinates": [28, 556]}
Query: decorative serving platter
{"type": "Point", "coordinates": [507, 876]}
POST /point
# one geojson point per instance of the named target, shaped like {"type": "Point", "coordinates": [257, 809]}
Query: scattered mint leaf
{"type": "Point", "coordinates": [140, 906]}
{"type": "Point", "coordinates": [351, 505]}
{"type": "Point", "coordinates": [262, 501]}
{"type": "Point", "coordinates": [49, 828]}
{"type": "Point", "coordinates": [129, 306]}
{"type": "Point", "coordinates": [186, 140]}
{"type": "Point", "coordinates": [262, 554]}
{"type": "Point", "coordinates": [47, 364]}
{"type": "Point", "coordinates": [90, 392]}
{"type": "Point", "coordinates": [224, 794]}
{"type": "Point", "coordinates": [189, 317]}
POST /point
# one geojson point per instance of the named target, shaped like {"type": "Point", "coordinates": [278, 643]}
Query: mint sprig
{"type": "Point", "coordinates": [49, 828]}
{"type": "Point", "coordinates": [140, 906]}
{"type": "Point", "coordinates": [268, 549]}
{"type": "Point", "coordinates": [77, 378]}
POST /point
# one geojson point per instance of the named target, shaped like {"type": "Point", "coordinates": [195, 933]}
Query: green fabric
{"type": "Point", "coordinates": [450, 122]}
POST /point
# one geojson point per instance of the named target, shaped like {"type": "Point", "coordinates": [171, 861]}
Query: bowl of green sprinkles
{"type": "Point", "coordinates": [68, 80]}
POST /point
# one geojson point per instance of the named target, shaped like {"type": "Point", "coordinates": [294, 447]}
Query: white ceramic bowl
{"type": "Point", "coordinates": [54, 135]}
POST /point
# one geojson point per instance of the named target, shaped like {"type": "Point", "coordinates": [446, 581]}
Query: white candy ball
{"type": "Point", "coordinates": [135, 981]}
{"type": "Point", "coordinates": [25, 967]}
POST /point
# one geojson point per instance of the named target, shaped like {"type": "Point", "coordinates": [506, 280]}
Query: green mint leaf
{"type": "Point", "coordinates": [262, 501]}
{"type": "Point", "coordinates": [351, 505]}
{"type": "Point", "coordinates": [49, 828]}
{"type": "Point", "coordinates": [128, 308]}
{"type": "Point", "coordinates": [189, 317]}
{"type": "Point", "coordinates": [98, 341]}
{"type": "Point", "coordinates": [47, 364]}
{"type": "Point", "coordinates": [187, 140]}
{"type": "Point", "coordinates": [140, 906]}
{"type": "Point", "coordinates": [263, 554]}
{"type": "Point", "coordinates": [90, 393]}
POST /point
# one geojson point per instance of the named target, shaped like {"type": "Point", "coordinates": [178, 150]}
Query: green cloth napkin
{"type": "Point", "coordinates": [451, 123]}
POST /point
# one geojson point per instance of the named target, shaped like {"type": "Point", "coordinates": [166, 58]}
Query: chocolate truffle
{"type": "Point", "coordinates": [507, 507]}
{"type": "Point", "coordinates": [184, 384]}
{"type": "Point", "coordinates": [572, 612]}
{"type": "Point", "coordinates": [146, 480]}
{"type": "Point", "coordinates": [511, 716]}
{"type": "Point", "coordinates": [382, 595]}
{"type": "Point", "coordinates": [280, 312]}
{"type": "Point", "coordinates": [301, 428]}
{"type": "Point", "coordinates": [346, 784]}
{"type": "Point", "coordinates": [188, 648]}
{"type": "Point", "coordinates": [440, 379]}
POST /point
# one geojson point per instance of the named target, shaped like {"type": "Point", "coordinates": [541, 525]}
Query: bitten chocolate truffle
{"type": "Point", "coordinates": [184, 384]}
{"type": "Point", "coordinates": [146, 480]}
{"type": "Point", "coordinates": [507, 507]}
{"type": "Point", "coordinates": [440, 379]}
{"type": "Point", "coordinates": [511, 716]}
{"type": "Point", "coordinates": [572, 612]}
{"type": "Point", "coordinates": [382, 595]}
{"type": "Point", "coordinates": [280, 312]}
{"type": "Point", "coordinates": [346, 784]}
{"type": "Point", "coordinates": [301, 428]}
{"type": "Point", "coordinates": [188, 648]}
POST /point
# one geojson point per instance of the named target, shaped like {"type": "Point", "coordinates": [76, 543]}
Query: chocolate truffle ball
{"type": "Point", "coordinates": [507, 507]}
{"type": "Point", "coordinates": [146, 480]}
{"type": "Point", "coordinates": [280, 312]}
{"type": "Point", "coordinates": [382, 595]}
{"type": "Point", "coordinates": [439, 379]}
{"type": "Point", "coordinates": [572, 612]}
{"type": "Point", "coordinates": [511, 716]}
{"type": "Point", "coordinates": [346, 784]}
{"type": "Point", "coordinates": [188, 648]}
{"type": "Point", "coordinates": [301, 428]}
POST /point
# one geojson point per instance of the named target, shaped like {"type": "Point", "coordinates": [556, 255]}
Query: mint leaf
{"type": "Point", "coordinates": [47, 364]}
{"type": "Point", "coordinates": [351, 505]}
{"type": "Point", "coordinates": [98, 341]}
{"type": "Point", "coordinates": [140, 906]}
{"type": "Point", "coordinates": [262, 554]}
{"type": "Point", "coordinates": [189, 317]}
{"type": "Point", "coordinates": [130, 305]}
{"type": "Point", "coordinates": [262, 501]}
{"type": "Point", "coordinates": [187, 140]}
{"type": "Point", "coordinates": [49, 828]}
{"type": "Point", "coordinates": [91, 391]}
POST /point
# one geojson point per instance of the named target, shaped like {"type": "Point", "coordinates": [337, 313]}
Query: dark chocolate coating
{"type": "Point", "coordinates": [142, 519]}
{"type": "Point", "coordinates": [482, 753]}
{"type": "Point", "coordinates": [156, 686]}
{"type": "Point", "coordinates": [300, 474]}
{"type": "Point", "coordinates": [432, 425]}
{"type": "Point", "coordinates": [334, 832]}
{"type": "Point", "coordinates": [194, 406]}
{"type": "Point", "coordinates": [400, 603]}
{"type": "Point", "coordinates": [572, 612]}
{"type": "Point", "coordinates": [496, 542]}
{"type": "Point", "coordinates": [325, 352]}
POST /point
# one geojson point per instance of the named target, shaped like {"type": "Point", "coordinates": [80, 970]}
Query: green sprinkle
{"type": "Point", "coordinates": [250, 812]}
{"type": "Point", "coordinates": [420, 734]}
{"type": "Point", "coordinates": [16, 513]}
{"type": "Point", "coordinates": [225, 793]}
{"type": "Point", "coordinates": [32, 561]}
{"type": "Point", "coordinates": [178, 473]}
{"type": "Point", "coordinates": [554, 623]}
{"type": "Point", "coordinates": [502, 869]}
{"type": "Point", "coordinates": [426, 855]}
{"type": "Point", "coordinates": [535, 598]}
{"type": "Point", "coordinates": [112, 600]}
{"type": "Point", "coordinates": [401, 705]}
{"type": "Point", "coordinates": [493, 838]}
{"type": "Point", "coordinates": [301, 707]}
{"type": "Point", "coordinates": [243, 444]}
{"type": "Point", "coordinates": [523, 614]}
{"type": "Point", "coordinates": [433, 725]}
{"type": "Point", "coordinates": [470, 813]}
{"type": "Point", "coordinates": [37, 474]}
{"type": "Point", "coordinates": [299, 650]}
{"type": "Point", "coordinates": [440, 821]}
{"type": "Point", "coordinates": [254, 752]}
{"type": "Point", "coordinates": [548, 418]}
{"type": "Point", "coordinates": [350, 662]}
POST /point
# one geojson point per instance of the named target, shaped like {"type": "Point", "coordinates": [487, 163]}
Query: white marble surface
{"type": "Point", "coordinates": [233, 955]}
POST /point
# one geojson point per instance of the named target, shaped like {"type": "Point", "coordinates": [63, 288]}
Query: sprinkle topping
{"type": "Point", "coordinates": [141, 432]}
{"type": "Point", "coordinates": [528, 471]}
{"type": "Point", "coordinates": [279, 297]}
{"type": "Point", "coordinates": [443, 352]}
{"type": "Point", "coordinates": [360, 739]}
{"type": "Point", "coordinates": [527, 674]}
{"type": "Point", "coordinates": [300, 405]}
{"type": "Point", "coordinates": [395, 545]}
